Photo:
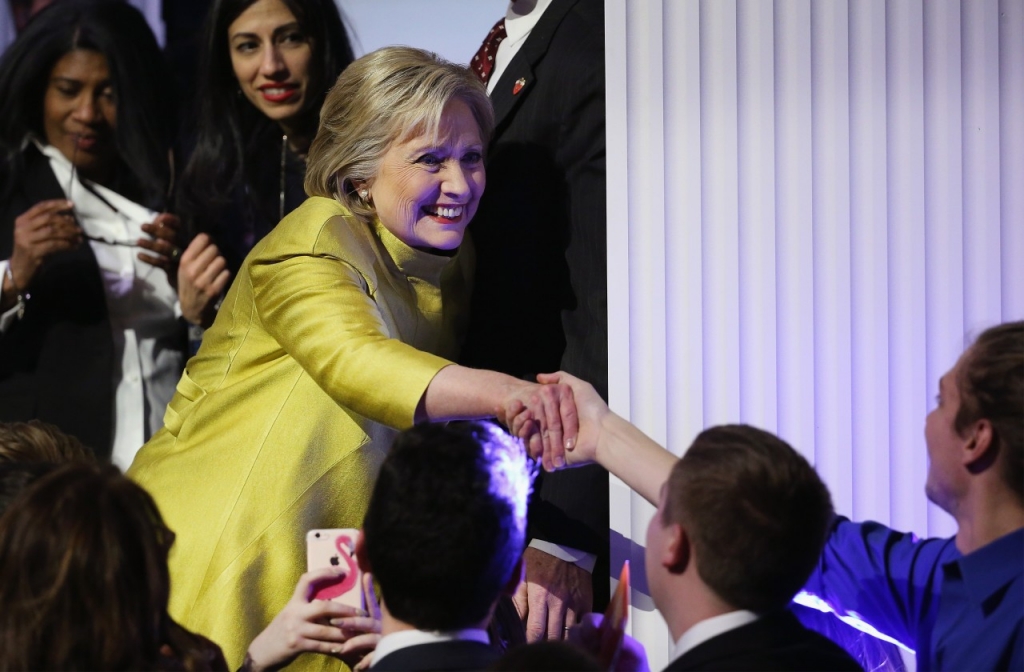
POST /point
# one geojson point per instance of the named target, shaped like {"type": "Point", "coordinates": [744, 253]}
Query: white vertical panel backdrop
{"type": "Point", "coordinates": [812, 204]}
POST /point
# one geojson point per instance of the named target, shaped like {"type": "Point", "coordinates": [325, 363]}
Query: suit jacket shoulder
{"type": "Point", "coordinates": [773, 642]}
{"type": "Point", "coordinates": [56, 362]}
{"type": "Point", "coordinates": [456, 655]}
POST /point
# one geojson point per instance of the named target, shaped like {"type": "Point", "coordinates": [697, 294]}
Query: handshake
{"type": "Point", "coordinates": [558, 419]}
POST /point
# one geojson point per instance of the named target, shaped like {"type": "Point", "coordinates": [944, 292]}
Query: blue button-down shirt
{"type": "Point", "coordinates": [959, 612]}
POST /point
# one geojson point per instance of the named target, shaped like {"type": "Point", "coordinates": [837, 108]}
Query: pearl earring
{"type": "Point", "coordinates": [363, 194]}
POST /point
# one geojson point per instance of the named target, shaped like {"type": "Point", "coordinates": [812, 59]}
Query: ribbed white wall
{"type": "Point", "coordinates": [812, 203]}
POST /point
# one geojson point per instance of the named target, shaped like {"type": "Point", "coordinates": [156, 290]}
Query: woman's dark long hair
{"type": "Point", "coordinates": [232, 135]}
{"type": "Point", "coordinates": [83, 556]}
{"type": "Point", "coordinates": [145, 110]}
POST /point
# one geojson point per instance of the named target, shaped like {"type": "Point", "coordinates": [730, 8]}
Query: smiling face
{"type": "Point", "coordinates": [945, 469]}
{"type": "Point", "coordinates": [271, 57]}
{"type": "Point", "coordinates": [427, 189]}
{"type": "Point", "coordinates": [80, 112]}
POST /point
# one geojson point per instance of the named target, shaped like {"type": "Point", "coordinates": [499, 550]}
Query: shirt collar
{"type": "Point", "coordinates": [405, 638]}
{"type": "Point", "coordinates": [522, 16]}
{"type": "Point", "coordinates": [711, 627]}
{"type": "Point", "coordinates": [992, 566]}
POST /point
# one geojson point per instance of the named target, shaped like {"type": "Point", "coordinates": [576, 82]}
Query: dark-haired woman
{"type": "Point", "coordinates": [89, 337]}
{"type": "Point", "coordinates": [83, 553]}
{"type": "Point", "coordinates": [267, 65]}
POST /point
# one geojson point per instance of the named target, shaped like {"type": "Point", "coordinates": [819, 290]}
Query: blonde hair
{"type": "Point", "coordinates": [387, 95]}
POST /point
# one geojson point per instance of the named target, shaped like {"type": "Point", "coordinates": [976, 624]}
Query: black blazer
{"type": "Point", "coordinates": [56, 363]}
{"type": "Point", "coordinates": [540, 239]}
{"type": "Point", "coordinates": [455, 655]}
{"type": "Point", "coordinates": [773, 642]}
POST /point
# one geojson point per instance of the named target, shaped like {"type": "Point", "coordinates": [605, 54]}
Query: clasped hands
{"type": "Point", "coordinates": [557, 420]}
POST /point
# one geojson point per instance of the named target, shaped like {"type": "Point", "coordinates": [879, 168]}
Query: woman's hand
{"type": "Point", "coordinates": [163, 245]}
{"type": "Point", "coordinates": [548, 422]}
{"type": "Point", "coordinates": [306, 625]}
{"type": "Point", "coordinates": [459, 392]}
{"type": "Point", "coordinates": [202, 277]}
{"type": "Point", "coordinates": [363, 632]}
{"type": "Point", "coordinates": [42, 230]}
{"type": "Point", "coordinates": [590, 409]}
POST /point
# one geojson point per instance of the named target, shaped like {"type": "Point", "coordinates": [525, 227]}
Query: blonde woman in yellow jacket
{"type": "Point", "coordinates": [340, 328]}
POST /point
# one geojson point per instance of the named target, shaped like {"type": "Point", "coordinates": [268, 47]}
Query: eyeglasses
{"type": "Point", "coordinates": [97, 239]}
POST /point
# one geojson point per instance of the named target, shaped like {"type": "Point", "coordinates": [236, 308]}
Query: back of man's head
{"type": "Point", "coordinates": [446, 523]}
{"type": "Point", "coordinates": [755, 511]}
{"type": "Point", "coordinates": [991, 386]}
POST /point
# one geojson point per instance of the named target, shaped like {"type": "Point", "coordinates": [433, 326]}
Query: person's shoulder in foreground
{"type": "Point", "coordinates": [776, 641]}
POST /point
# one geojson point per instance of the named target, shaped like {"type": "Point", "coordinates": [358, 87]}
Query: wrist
{"type": "Point", "coordinates": [13, 293]}
{"type": "Point", "coordinates": [509, 390]}
{"type": "Point", "coordinates": [604, 451]}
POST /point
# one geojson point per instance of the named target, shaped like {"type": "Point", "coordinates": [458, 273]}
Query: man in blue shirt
{"type": "Point", "coordinates": [958, 602]}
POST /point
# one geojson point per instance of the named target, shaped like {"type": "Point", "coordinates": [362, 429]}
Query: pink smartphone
{"type": "Point", "coordinates": [336, 548]}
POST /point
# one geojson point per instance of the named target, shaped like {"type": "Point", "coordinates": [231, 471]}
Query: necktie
{"type": "Point", "coordinates": [483, 63]}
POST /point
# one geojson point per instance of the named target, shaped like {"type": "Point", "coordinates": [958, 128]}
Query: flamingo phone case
{"type": "Point", "coordinates": [336, 548]}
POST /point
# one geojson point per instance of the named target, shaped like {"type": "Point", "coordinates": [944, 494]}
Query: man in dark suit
{"type": "Point", "coordinates": [540, 240]}
{"type": "Point", "coordinates": [741, 523]}
{"type": "Point", "coordinates": [443, 535]}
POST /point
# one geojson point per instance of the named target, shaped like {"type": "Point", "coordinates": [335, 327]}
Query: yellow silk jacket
{"type": "Point", "coordinates": [324, 345]}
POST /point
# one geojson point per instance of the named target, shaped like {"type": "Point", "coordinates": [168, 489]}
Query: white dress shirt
{"type": "Point", "coordinates": [520, 18]}
{"type": "Point", "coordinates": [141, 305]}
{"type": "Point", "coordinates": [406, 638]}
{"type": "Point", "coordinates": [711, 627]}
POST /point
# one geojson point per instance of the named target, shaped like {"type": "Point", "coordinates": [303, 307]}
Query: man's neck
{"type": "Point", "coordinates": [688, 607]}
{"type": "Point", "coordinates": [389, 624]}
{"type": "Point", "coordinates": [986, 514]}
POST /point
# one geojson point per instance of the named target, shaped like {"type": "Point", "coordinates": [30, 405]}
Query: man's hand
{"type": "Point", "coordinates": [590, 411]}
{"type": "Point", "coordinates": [544, 417]}
{"type": "Point", "coordinates": [553, 597]}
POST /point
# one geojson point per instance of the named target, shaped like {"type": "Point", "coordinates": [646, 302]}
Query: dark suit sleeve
{"type": "Point", "coordinates": [56, 362]}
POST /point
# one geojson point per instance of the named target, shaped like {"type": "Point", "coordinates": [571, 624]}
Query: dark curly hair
{"type": "Point", "coordinates": [144, 106]}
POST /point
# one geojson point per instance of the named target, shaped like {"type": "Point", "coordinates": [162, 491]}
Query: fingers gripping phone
{"type": "Point", "coordinates": [336, 548]}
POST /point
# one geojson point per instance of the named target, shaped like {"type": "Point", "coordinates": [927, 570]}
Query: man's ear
{"type": "Point", "coordinates": [362, 559]}
{"type": "Point", "coordinates": [676, 555]}
{"type": "Point", "coordinates": [979, 452]}
{"type": "Point", "coordinates": [517, 577]}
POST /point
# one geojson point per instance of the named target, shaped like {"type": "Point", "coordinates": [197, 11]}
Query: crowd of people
{"type": "Point", "coordinates": [306, 237]}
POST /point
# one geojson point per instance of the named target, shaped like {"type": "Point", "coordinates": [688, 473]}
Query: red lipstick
{"type": "Point", "coordinates": [279, 93]}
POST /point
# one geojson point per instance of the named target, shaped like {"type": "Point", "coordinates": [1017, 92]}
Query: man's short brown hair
{"type": "Point", "coordinates": [756, 512]}
{"type": "Point", "coordinates": [991, 386]}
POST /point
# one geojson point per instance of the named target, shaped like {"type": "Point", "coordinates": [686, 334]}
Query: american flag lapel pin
{"type": "Point", "coordinates": [520, 83]}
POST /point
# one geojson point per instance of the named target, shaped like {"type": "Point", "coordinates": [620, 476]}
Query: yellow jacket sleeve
{"type": "Point", "coordinates": [321, 311]}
